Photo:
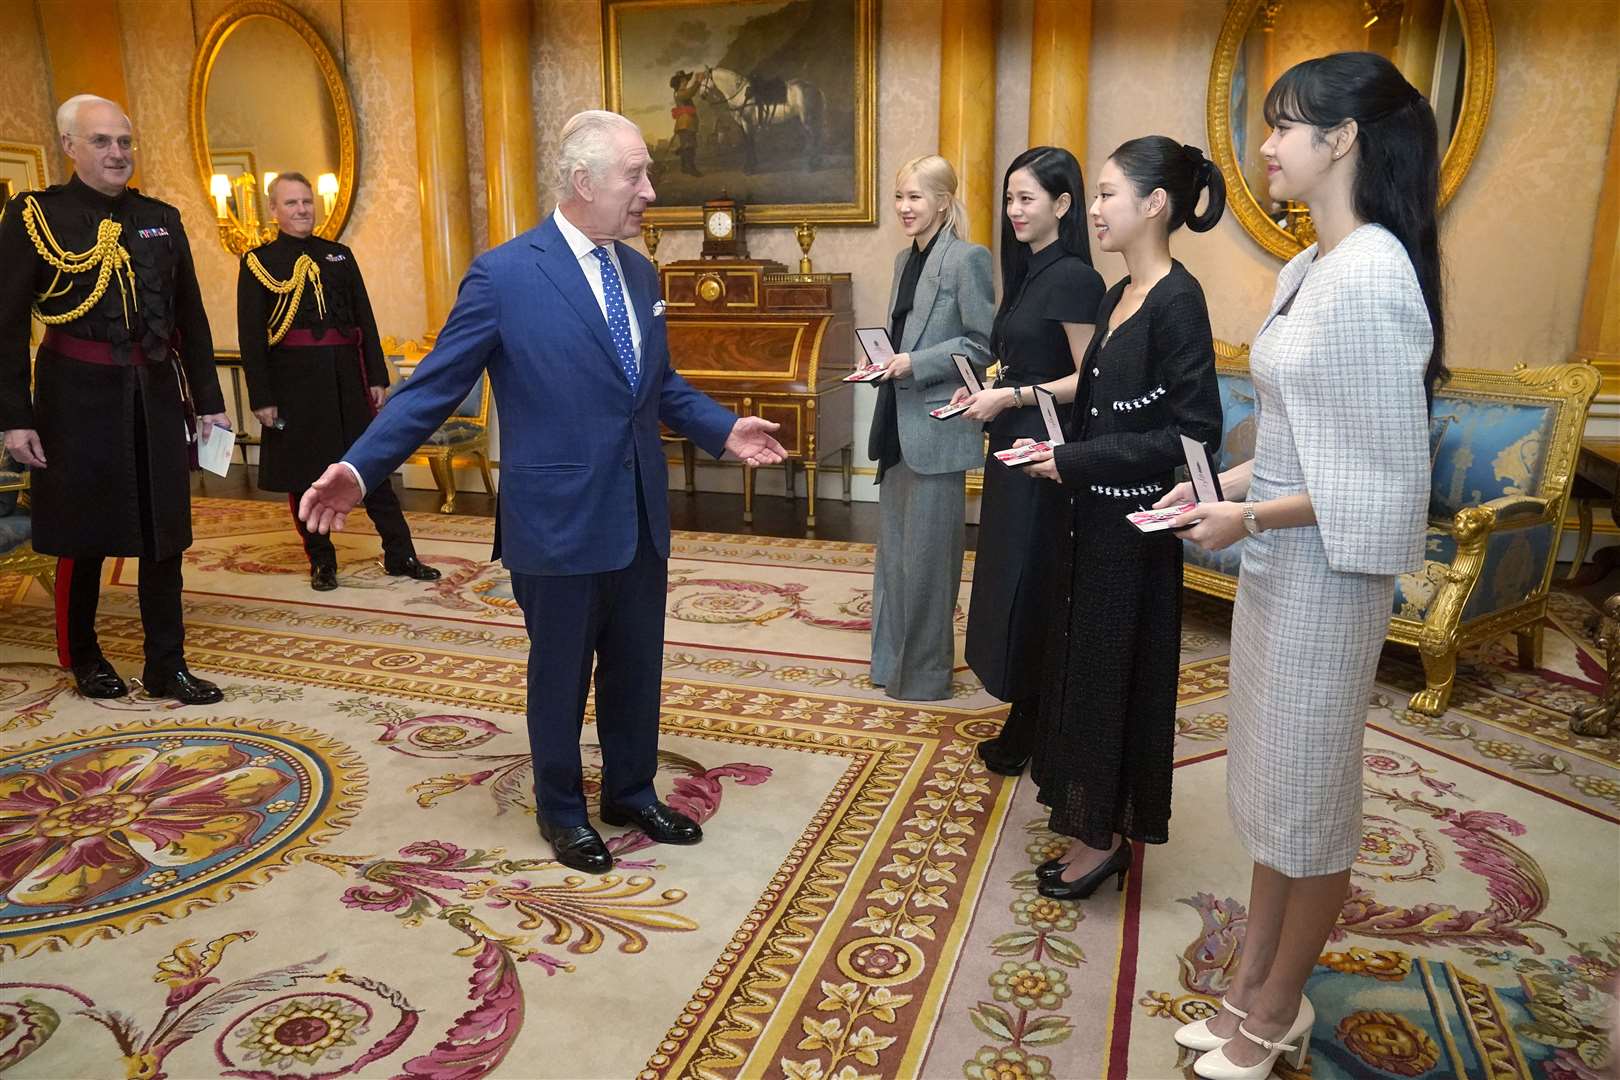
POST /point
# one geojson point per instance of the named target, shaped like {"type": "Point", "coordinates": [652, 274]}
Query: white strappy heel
{"type": "Point", "coordinates": [1197, 1036]}
{"type": "Point", "coordinates": [1295, 1046]}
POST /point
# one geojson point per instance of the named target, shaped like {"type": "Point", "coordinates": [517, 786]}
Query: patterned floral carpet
{"type": "Point", "coordinates": [335, 871]}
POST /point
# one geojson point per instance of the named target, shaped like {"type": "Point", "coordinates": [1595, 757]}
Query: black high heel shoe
{"type": "Point", "coordinates": [1050, 870]}
{"type": "Point", "coordinates": [1117, 863]}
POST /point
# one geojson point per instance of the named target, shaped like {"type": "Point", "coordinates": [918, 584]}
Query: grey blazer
{"type": "Point", "coordinates": [951, 313]}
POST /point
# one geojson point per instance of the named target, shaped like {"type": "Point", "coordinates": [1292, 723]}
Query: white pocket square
{"type": "Point", "coordinates": [658, 308]}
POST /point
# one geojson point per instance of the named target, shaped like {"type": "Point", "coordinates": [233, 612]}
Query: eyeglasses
{"type": "Point", "coordinates": [103, 143]}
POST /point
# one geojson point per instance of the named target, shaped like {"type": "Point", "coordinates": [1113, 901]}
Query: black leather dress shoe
{"type": "Point", "coordinates": [323, 578]}
{"type": "Point", "coordinates": [97, 679]}
{"type": "Point", "coordinates": [578, 847]}
{"type": "Point", "coordinates": [412, 568]}
{"type": "Point", "coordinates": [185, 688]}
{"type": "Point", "coordinates": [661, 824]}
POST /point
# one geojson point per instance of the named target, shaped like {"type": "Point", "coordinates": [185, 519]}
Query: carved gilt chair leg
{"type": "Point", "coordinates": [1583, 538]}
{"type": "Point", "coordinates": [445, 478]}
{"type": "Point", "coordinates": [1530, 641]}
{"type": "Point", "coordinates": [1601, 719]}
{"type": "Point", "coordinates": [1440, 675]}
{"type": "Point", "coordinates": [483, 468]}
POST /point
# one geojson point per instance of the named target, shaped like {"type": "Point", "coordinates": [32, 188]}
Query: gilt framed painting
{"type": "Point", "coordinates": [772, 102]}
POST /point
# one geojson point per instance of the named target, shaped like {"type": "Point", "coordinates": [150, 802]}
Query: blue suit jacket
{"type": "Point", "coordinates": [574, 438]}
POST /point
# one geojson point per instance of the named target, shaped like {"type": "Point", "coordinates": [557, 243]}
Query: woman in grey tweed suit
{"type": "Point", "coordinates": [942, 302]}
{"type": "Point", "coordinates": [1336, 503]}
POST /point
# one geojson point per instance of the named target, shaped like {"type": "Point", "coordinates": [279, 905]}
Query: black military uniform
{"type": "Point", "coordinates": [310, 348]}
{"type": "Point", "coordinates": [127, 345]}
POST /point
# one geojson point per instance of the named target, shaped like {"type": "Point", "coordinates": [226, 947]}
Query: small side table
{"type": "Point", "coordinates": [1597, 477]}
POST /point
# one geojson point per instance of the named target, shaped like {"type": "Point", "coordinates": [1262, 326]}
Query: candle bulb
{"type": "Point", "coordinates": [326, 185]}
{"type": "Point", "coordinates": [220, 187]}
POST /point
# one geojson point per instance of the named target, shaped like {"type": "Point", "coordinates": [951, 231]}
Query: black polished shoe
{"type": "Point", "coordinates": [323, 578]}
{"type": "Point", "coordinates": [578, 847]}
{"type": "Point", "coordinates": [1050, 870]}
{"type": "Point", "coordinates": [661, 824]}
{"type": "Point", "coordinates": [97, 679]}
{"type": "Point", "coordinates": [1117, 863]}
{"type": "Point", "coordinates": [411, 567]}
{"type": "Point", "coordinates": [185, 688]}
{"type": "Point", "coordinates": [999, 760]}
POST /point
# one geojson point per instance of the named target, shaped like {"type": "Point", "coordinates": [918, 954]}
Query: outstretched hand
{"type": "Point", "coordinates": [327, 502]}
{"type": "Point", "coordinates": [750, 442]}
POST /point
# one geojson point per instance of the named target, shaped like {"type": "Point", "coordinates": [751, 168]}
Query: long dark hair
{"type": "Point", "coordinates": [1056, 170]}
{"type": "Point", "coordinates": [1398, 175]}
{"type": "Point", "coordinates": [1185, 174]}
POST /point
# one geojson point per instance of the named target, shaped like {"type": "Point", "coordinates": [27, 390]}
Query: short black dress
{"type": "Point", "coordinates": [1106, 742]}
{"type": "Point", "coordinates": [1022, 519]}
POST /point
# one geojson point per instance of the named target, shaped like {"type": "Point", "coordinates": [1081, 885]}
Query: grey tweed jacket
{"type": "Point", "coordinates": [951, 313]}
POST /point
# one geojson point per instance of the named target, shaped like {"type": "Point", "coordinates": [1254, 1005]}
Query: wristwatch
{"type": "Point", "coordinates": [1251, 524]}
{"type": "Point", "coordinates": [1018, 397]}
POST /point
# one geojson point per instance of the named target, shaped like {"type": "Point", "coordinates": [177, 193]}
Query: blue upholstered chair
{"type": "Point", "coordinates": [17, 555]}
{"type": "Point", "coordinates": [461, 439]}
{"type": "Point", "coordinates": [1503, 446]}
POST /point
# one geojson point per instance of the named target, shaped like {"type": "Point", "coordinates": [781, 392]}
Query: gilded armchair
{"type": "Point", "coordinates": [461, 439]}
{"type": "Point", "coordinates": [1503, 447]}
{"type": "Point", "coordinates": [17, 555]}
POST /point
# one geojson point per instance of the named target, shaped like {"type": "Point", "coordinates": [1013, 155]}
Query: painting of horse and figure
{"type": "Point", "coordinates": [769, 101]}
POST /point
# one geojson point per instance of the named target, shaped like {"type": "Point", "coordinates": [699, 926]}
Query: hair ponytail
{"type": "Point", "coordinates": [1209, 184]}
{"type": "Point", "coordinates": [1397, 182]}
{"type": "Point", "coordinates": [1185, 174]}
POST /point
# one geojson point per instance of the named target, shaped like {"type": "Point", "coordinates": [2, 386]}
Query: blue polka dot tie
{"type": "Point", "coordinates": [618, 318]}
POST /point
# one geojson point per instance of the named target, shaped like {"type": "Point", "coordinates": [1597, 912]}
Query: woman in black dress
{"type": "Point", "coordinates": [1048, 307]}
{"type": "Point", "coordinates": [1106, 742]}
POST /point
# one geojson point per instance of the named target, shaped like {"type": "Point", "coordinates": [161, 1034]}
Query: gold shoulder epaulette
{"type": "Point", "coordinates": [108, 258]}
{"type": "Point", "coordinates": [289, 293]}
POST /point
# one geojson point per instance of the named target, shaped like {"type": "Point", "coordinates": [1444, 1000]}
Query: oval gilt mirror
{"type": "Point", "coordinates": [267, 97]}
{"type": "Point", "coordinates": [1444, 47]}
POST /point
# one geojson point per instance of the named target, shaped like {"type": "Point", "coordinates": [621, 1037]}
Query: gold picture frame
{"type": "Point", "coordinates": [22, 168]}
{"type": "Point", "coordinates": [803, 117]}
{"type": "Point", "coordinates": [1473, 112]}
{"type": "Point", "coordinates": [342, 105]}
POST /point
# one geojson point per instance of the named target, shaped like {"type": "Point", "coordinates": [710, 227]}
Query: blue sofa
{"type": "Point", "coordinates": [1503, 446]}
{"type": "Point", "coordinates": [17, 555]}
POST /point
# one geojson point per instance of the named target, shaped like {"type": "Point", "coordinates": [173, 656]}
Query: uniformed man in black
{"type": "Point", "coordinates": [126, 362]}
{"type": "Point", "coordinates": [315, 372]}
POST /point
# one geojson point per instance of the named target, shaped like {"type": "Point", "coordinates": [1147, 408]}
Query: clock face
{"type": "Point", "coordinates": [719, 224]}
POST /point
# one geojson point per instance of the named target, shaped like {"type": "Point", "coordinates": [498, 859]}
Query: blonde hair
{"type": "Point", "coordinates": [936, 177]}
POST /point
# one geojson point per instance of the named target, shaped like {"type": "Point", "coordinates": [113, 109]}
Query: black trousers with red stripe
{"type": "Point", "coordinates": [78, 589]}
{"type": "Point", "coordinates": [78, 592]}
{"type": "Point", "coordinates": [382, 506]}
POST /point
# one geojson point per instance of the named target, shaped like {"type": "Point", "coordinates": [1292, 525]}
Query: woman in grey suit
{"type": "Point", "coordinates": [1330, 510]}
{"type": "Point", "coordinates": [942, 302]}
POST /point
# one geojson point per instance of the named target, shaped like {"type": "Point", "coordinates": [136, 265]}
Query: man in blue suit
{"type": "Point", "coordinates": [568, 324]}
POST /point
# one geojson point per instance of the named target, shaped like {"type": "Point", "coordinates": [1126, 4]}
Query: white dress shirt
{"type": "Point", "coordinates": [583, 248]}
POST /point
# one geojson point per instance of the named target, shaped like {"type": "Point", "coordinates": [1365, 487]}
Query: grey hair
{"type": "Point", "coordinates": [587, 143]}
{"type": "Point", "coordinates": [68, 114]}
